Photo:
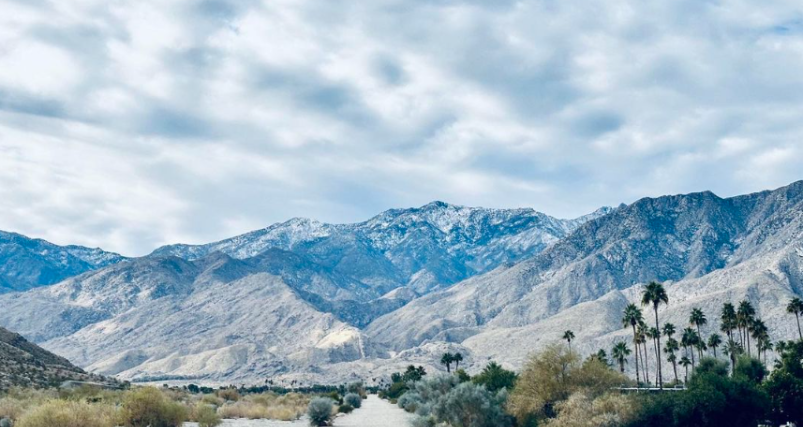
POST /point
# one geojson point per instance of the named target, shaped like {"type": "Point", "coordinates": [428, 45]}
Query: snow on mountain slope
{"type": "Point", "coordinates": [425, 248]}
{"type": "Point", "coordinates": [670, 238]}
{"type": "Point", "coordinates": [26, 263]}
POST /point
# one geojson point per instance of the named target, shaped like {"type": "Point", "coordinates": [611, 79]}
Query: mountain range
{"type": "Point", "coordinates": [332, 302]}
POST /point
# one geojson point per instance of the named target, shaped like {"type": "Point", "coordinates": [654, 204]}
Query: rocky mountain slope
{"type": "Point", "coordinates": [420, 249]}
{"type": "Point", "coordinates": [27, 263]}
{"type": "Point", "coordinates": [333, 302]}
{"type": "Point", "coordinates": [708, 249]}
{"type": "Point", "coordinates": [26, 364]}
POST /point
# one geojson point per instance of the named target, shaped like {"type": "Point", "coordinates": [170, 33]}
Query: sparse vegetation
{"type": "Point", "coordinates": [320, 411]}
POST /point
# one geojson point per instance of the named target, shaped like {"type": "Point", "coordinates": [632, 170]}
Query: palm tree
{"type": "Point", "coordinates": [689, 340]}
{"type": "Point", "coordinates": [620, 352]}
{"type": "Point", "coordinates": [714, 341]}
{"type": "Point", "coordinates": [457, 358]}
{"type": "Point", "coordinates": [728, 319]}
{"type": "Point", "coordinates": [685, 362]}
{"type": "Point", "coordinates": [655, 294]}
{"type": "Point", "coordinates": [654, 334]}
{"type": "Point", "coordinates": [743, 318]}
{"type": "Point", "coordinates": [671, 347]}
{"type": "Point", "coordinates": [698, 319]}
{"type": "Point", "coordinates": [668, 330]}
{"type": "Point", "coordinates": [447, 360]}
{"type": "Point", "coordinates": [568, 336]}
{"type": "Point", "coordinates": [795, 307]}
{"type": "Point", "coordinates": [673, 359]}
{"type": "Point", "coordinates": [733, 349]}
{"type": "Point", "coordinates": [632, 317]}
{"type": "Point", "coordinates": [642, 347]}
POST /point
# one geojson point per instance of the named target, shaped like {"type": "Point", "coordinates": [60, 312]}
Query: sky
{"type": "Point", "coordinates": [132, 124]}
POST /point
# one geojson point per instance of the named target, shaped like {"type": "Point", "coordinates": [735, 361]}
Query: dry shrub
{"type": "Point", "coordinates": [270, 406]}
{"type": "Point", "coordinates": [64, 413]}
{"type": "Point", "coordinates": [229, 394]}
{"type": "Point", "coordinates": [205, 415]}
{"type": "Point", "coordinates": [553, 375]}
{"type": "Point", "coordinates": [581, 410]}
{"type": "Point", "coordinates": [149, 407]}
{"type": "Point", "coordinates": [18, 400]}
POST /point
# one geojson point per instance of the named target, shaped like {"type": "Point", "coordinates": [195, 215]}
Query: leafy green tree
{"type": "Point", "coordinates": [494, 377]}
{"type": "Point", "coordinates": [413, 374]}
{"type": "Point", "coordinates": [712, 399]}
{"type": "Point", "coordinates": [654, 294]}
{"type": "Point", "coordinates": [795, 307]}
{"type": "Point", "coordinates": [785, 386]}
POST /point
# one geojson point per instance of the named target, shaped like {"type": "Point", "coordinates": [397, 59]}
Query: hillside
{"type": "Point", "coordinates": [25, 364]}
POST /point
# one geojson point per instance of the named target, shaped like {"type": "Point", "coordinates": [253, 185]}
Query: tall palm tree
{"type": "Point", "coordinates": [655, 294]}
{"type": "Point", "coordinates": [698, 319]}
{"type": "Point", "coordinates": [689, 341]}
{"type": "Point", "coordinates": [744, 315]}
{"type": "Point", "coordinates": [642, 347]}
{"type": "Point", "coordinates": [761, 334]}
{"type": "Point", "coordinates": [795, 307]}
{"type": "Point", "coordinates": [668, 330]}
{"type": "Point", "coordinates": [714, 341]}
{"type": "Point", "coordinates": [733, 349]}
{"type": "Point", "coordinates": [447, 360]}
{"type": "Point", "coordinates": [568, 336]}
{"type": "Point", "coordinates": [457, 358]}
{"type": "Point", "coordinates": [654, 334]}
{"type": "Point", "coordinates": [728, 319]}
{"type": "Point", "coordinates": [671, 347]}
{"type": "Point", "coordinates": [685, 362]}
{"type": "Point", "coordinates": [619, 353]}
{"type": "Point", "coordinates": [632, 317]}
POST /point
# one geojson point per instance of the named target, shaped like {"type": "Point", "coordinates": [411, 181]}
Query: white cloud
{"type": "Point", "coordinates": [129, 125]}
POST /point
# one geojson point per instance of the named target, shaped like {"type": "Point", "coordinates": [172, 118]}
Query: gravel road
{"type": "Point", "coordinates": [374, 412]}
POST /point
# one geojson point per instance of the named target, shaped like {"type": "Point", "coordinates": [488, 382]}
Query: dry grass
{"type": "Point", "coordinates": [267, 406]}
{"type": "Point", "coordinates": [64, 413]}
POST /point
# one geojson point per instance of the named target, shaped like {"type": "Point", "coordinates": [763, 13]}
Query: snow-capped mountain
{"type": "Point", "coordinates": [27, 263]}
{"type": "Point", "coordinates": [422, 248]}
{"type": "Point", "coordinates": [328, 302]}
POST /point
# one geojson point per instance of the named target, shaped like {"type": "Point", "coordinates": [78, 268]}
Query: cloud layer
{"type": "Point", "coordinates": [128, 125]}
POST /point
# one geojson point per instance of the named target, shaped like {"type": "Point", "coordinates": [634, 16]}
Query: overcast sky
{"type": "Point", "coordinates": [131, 124]}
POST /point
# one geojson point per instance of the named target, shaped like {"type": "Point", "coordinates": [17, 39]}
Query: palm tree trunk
{"type": "Point", "coordinates": [797, 316]}
{"type": "Point", "coordinates": [636, 345]}
{"type": "Point", "coordinates": [658, 361]}
{"type": "Point", "coordinates": [646, 364]}
{"type": "Point", "coordinates": [747, 333]}
{"type": "Point", "coordinates": [675, 368]}
{"type": "Point", "coordinates": [658, 350]}
{"type": "Point", "coordinates": [715, 352]}
{"type": "Point", "coordinates": [692, 358]}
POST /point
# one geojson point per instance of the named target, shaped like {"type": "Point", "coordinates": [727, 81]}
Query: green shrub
{"type": "Point", "coordinates": [149, 407]}
{"type": "Point", "coordinates": [320, 411]}
{"type": "Point", "coordinates": [353, 399]}
{"type": "Point", "coordinates": [495, 378]}
{"type": "Point", "coordinates": [345, 408]}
